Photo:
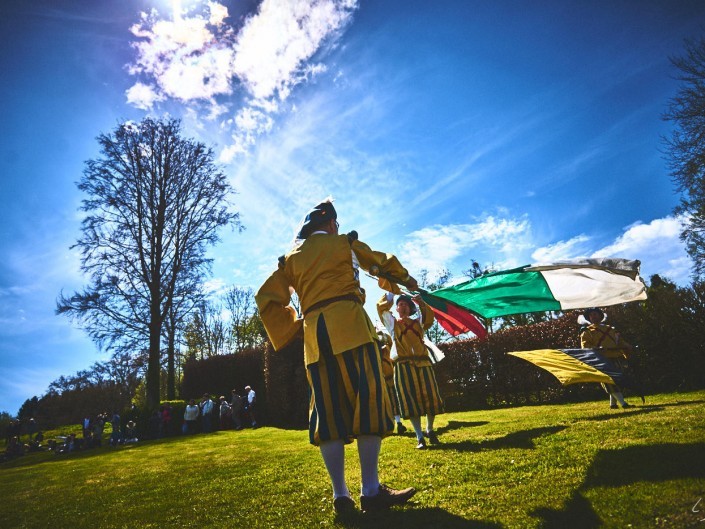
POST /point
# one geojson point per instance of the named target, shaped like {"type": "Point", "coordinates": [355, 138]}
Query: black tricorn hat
{"type": "Point", "coordinates": [407, 299]}
{"type": "Point", "coordinates": [318, 216]}
{"type": "Point", "coordinates": [587, 312]}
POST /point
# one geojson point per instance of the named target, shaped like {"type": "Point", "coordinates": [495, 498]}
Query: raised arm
{"type": "Point", "coordinates": [384, 263]}
{"type": "Point", "coordinates": [279, 318]}
{"type": "Point", "coordinates": [384, 310]}
{"type": "Point", "coordinates": [426, 317]}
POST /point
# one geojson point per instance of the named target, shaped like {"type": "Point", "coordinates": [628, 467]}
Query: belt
{"type": "Point", "coordinates": [329, 301]}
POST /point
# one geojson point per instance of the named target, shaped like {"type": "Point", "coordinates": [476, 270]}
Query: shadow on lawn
{"type": "Point", "coordinates": [520, 439]}
{"type": "Point", "coordinates": [620, 414]}
{"type": "Point", "coordinates": [410, 518]}
{"type": "Point", "coordinates": [616, 468]}
{"type": "Point", "coordinates": [457, 425]}
{"type": "Point", "coordinates": [681, 403]}
{"type": "Point", "coordinates": [577, 514]}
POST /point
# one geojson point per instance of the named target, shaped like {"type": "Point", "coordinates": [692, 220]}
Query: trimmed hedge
{"type": "Point", "coordinates": [287, 387]}
{"type": "Point", "coordinates": [219, 375]}
{"type": "Point", "coordinates": [478, 373]}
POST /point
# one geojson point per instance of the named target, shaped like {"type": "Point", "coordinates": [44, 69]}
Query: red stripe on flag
{"type": "Point", "coordinates": [456, 321]}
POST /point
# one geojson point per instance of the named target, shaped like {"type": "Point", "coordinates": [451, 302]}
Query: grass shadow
{"type": "Point", "coordinates": [577, 514]}
{"type": "Point", "coordinates": [681, 403]}
{"type": "Point", "coordinates": [457, 425]}
{"type": "Point", "coordinates": [615, 468]}
{"type": "Point", "coordinates": [662, 462]}
{"type": "Point", "coordinates": [410, 518]}
{"type": "Point", "coordinates": [621, 413]}
{"type": "Point", "coordinates": [521, 439]}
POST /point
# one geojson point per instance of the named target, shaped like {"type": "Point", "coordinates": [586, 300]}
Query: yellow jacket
{"type": "Point", "coordinates": [321, 269]}
{"type": "Point", "coordinates": [385, 348]}
{"type": "Point", "coordinates": [605, 338]}
{"type": "Point", "coordinates": [408, 333]}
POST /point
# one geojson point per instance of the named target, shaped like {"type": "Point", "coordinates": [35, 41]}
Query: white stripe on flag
{"type": "Point", "coordinates": [577, 288]}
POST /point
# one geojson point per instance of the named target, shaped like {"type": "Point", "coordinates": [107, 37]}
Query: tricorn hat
{"type": "Point", "coordinates": [587, 312]}
{"type": "Point", "coordinates": [319, 215]}
{"type": "Point", "coordinates": [407, 299]}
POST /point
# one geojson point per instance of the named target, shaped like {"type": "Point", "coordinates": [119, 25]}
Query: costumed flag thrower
{"type": "Point", "coordinates": [456, 320]}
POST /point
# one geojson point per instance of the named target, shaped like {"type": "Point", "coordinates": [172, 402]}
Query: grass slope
{"type": "Point", "coordinates": [560, 466]}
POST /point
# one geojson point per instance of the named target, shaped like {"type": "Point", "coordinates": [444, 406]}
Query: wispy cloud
{"type": "Point", "coordinates": [299, 164]}
{"type": "Point", "coordinates": [562, 250]}
{"type": "Point", "coordinates": [201, 59]}
{"type": "Point", "coordinates": [657, 245]}
{"type": "Point", "coordinates": [444, 246]}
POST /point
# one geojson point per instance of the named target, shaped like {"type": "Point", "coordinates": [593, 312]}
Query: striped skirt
{"type": "Point", "coordinates": [417, 390]}
{"type": "Point", "coordinates": [348, 394]}
{"type": "Point", "coordinates": [392, 394]}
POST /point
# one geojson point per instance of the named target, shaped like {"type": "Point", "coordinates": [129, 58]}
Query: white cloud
{"type": "Point", "coordinates": [437, 247]}
{"type": "Point", "coordinates": [143, 96]}
{"type": "Point", "coordinates": [562, 250]}
{"type": "Point", "coordinates": [657, 245]}
{"type": "Point", "coordinates": [198, 58]}
{"type": "Point", "coordinates": [186, 58]}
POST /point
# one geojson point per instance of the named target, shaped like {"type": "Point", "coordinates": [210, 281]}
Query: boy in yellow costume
{"type": "Point", "coordinates": [607, 341]}
{"type": "Point", "coordinates": [343, 363]}
{"type": "Point", "coordinates": [384, 341]}
{"type": "Point", "coordinates": [414, 378]}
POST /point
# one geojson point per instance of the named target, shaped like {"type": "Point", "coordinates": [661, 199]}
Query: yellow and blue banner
{"type": "Point", "coordinates": [574, 366]}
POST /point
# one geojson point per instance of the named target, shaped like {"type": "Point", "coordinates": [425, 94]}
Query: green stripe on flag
{"type": "Point", "coordinates": [512, 292]}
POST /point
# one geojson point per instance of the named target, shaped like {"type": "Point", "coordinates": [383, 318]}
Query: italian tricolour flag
{"type": "Point", "coordinates": [537, 288]}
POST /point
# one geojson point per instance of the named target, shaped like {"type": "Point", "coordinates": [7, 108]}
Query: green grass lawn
{"type": "Point", "coordinates": [560, 466]}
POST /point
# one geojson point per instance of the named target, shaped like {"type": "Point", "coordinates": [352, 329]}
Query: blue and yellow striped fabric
{"type": "Point", "coordinates": [573, 366]}
{"type": "Point", "coordinates": [348, 394]}
{"type": "Point", "coordinates": [417, 389]}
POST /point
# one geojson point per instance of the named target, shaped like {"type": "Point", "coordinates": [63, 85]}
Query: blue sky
{"type": "Point", "coordinates": [509, 132]}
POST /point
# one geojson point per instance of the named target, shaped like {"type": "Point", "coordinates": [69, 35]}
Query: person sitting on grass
{"type": "Point", "coordinates": [14, 449]}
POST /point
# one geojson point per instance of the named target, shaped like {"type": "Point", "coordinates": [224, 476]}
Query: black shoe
{"type": "Point", "coordinates": [344, 505]}
{"type": "Point", "coordinates": [386, 498]}
{"type": "Point", "coordinates": [421, 445]}
{"type": "Point", "coordinates": [613, 407]}
{"type": "Point", "coordinates": [433, 438]}
{"type": "Point", "coordinates": [401, 428]}
{"type": "Point", "coordinates": [627, 405]}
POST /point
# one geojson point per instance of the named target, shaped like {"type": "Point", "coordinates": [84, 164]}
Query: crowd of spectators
{"type": "Point", "coordinates": [228, 414]}
{"type": "Point", "coordinates": [199, 417]}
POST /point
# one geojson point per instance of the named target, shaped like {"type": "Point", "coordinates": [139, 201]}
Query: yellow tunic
{"type": "Point", "coordinates": [385, 345]}
{"type": "Point", "coordinates": [322, 269]}
{"type": "Point", "coordinates": [604, 337]}
{"type": "Point", "coordinates": [408, 332]}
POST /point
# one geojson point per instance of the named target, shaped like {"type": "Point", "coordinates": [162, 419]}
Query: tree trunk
{"type": "Point", "coordinates": [153, 362]}
{"type": "Point", "coordinates": [170, 375]}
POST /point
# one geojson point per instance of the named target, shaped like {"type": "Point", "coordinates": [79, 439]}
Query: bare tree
{"type": "Point", "coordinates": [155, 201]}
{"type": "Point", "coordinates": [240, 302]}
{"type": "Point", "coordinates": [686, 149]}
{"type": "Point", "coordinates": [206, 334]}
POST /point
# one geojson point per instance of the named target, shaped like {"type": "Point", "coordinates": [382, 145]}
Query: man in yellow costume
{"type": "Point", "coordinates": [343, 363]}
{"type": "Point", "coordinates": [414, 378]}
{"type": "Point", "coordinates": [608, 342]}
